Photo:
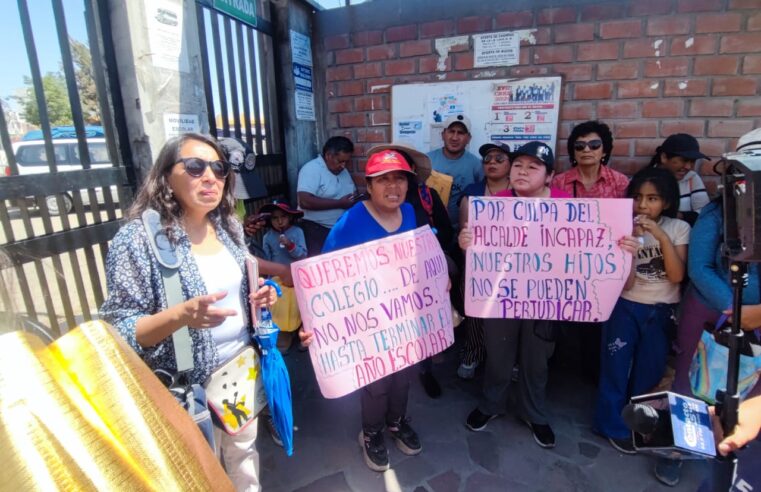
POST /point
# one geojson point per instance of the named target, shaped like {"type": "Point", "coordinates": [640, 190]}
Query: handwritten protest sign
{"type": "Point", "coordinates": [374, 309]}
{"type": "Point", "coordinates": [535, 258]}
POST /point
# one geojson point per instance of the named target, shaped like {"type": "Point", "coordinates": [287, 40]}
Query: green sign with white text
{"type": "Point", "coordinates": [243, 10]}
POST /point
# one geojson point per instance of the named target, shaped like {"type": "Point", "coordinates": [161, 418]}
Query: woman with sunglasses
{"type": "Point", "coordinates": [589, 146]}
{"type": "Point", "coordinates": [191, 187]}
{"type": "Point", "coordinates": [496, 163]}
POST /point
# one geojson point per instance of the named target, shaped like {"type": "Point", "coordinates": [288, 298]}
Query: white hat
{"type": "Point", "coordinates": [750, 141]}
{"type": "Point", "coordinates": [458, 118]}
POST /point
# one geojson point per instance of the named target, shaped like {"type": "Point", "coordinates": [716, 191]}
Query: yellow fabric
{"type": "Point", "coordinates": [85, 413]}
{"type": "Point", "coordinates": [442, 183]}
{"type": "Point", "coordinates": [285, 312]}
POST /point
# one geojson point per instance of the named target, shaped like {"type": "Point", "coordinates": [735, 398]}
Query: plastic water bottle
{"type": "Point", "coordinates": [265, 326]}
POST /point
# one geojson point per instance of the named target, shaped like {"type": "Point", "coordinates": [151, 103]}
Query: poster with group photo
{"type": "Point", "coordinates": [510, 111]}
{"type": "Point", "coordinates": [538, 258]}
{"type": "Point", "coordinates": [374, 309]}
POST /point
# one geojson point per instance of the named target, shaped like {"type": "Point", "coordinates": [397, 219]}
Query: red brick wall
{"type": "Point", "coordinates": [702, 79]}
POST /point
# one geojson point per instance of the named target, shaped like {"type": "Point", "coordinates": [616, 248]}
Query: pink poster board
{"type": "Point", "coordinates": [542, 258]}
{"type": "Point", "coordinates": [374, 309]}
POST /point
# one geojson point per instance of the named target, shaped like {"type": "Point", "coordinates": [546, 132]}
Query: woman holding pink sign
{"type": "Point", "coordinates": [507, 340]}
{"type": "Point", "coordinates": [385, 213]}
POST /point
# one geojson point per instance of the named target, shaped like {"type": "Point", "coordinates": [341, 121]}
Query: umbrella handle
{"type": "Point", "coordinates": [275, 286]}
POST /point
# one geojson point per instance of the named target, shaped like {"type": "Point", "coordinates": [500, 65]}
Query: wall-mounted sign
{"type": "Point", "coordinates": [242, 10]}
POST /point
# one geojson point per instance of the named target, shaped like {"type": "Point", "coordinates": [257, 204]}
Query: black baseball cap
{"type": "Point", "coordinates": [485, 148]}
{"type": "Point", "coordinates": [539, 150]}
{"type": "Point", "coordinates": [683, 145]}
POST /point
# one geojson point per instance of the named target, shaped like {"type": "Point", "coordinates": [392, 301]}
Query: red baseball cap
{"type": "Point", "coordinates": [384, 162]}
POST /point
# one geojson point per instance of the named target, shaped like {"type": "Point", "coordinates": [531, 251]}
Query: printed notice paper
{"type": "Point", "coordinates": [374, 309]}
{"type": "Point", "coordinates": [537, 258]}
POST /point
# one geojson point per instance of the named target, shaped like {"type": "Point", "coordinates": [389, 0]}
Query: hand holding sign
{"type": "Point", "coordinates": [535, 258]}
{"type": "Point", "coordinates": [374, 309]}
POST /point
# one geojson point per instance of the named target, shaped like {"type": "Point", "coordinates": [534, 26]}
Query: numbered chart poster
{"type": "Point", "coordinates": [374, 309]}
{"type": "Point", "coordinates": [525, 110]}
{"type": "Point", "coordinates": [536, 258]}
{"type": "Point", "coordinates": [509, 111]}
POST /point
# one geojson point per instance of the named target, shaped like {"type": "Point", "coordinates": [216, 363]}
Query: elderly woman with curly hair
{"type": "Point", "coordinates": [589, 146]}
{"type": "Point", "coordinates": [191, 187]}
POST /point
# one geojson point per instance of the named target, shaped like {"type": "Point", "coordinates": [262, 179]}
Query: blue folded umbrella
{"type": "Point", "coordinates": [277, 382]}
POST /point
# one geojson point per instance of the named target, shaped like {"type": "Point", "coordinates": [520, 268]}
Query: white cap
{"type": "Point", "coordinates": [458, 118]}
{"type": "Point", "coordinates": [750, 141]}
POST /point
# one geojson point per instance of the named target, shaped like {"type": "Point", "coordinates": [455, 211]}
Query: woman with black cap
{"type": "Point", "coordinates": [678, 154]}
{"type": "Point", "coordinates": [496, 163]}
{"type": "Point", "coordinates": [507, 340]}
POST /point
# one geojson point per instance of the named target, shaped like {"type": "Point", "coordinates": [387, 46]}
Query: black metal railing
{"type": "Point", "coordinates": [239, 80]}
{"type": "Point", "coordinates": [58, 215]}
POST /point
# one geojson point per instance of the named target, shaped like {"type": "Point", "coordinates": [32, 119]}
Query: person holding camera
{"type": "Point", "coordinates": [708, 296]}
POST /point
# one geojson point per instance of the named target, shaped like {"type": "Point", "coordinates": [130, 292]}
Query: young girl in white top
{"type": "Point", "coordinates": [635, 340]}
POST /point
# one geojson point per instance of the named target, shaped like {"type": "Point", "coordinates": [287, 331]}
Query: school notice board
{"type": "Point", "coordinates": [511, 111]}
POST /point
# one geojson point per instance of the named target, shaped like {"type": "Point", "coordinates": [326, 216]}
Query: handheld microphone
{"type": "Point", "coordinates": [671, 425]}
{"type": "Point", "coordinates": [652, 425]}
{"type": "Point", "coordinates": [640, 418]}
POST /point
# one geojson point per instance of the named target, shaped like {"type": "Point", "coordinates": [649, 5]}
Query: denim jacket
{"type": "Point", "coordinates": [136, 289]}
{"type": "Point", "coordinates": [709, 268]}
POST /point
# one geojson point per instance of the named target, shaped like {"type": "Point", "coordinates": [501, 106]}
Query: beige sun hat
{"type": "Point", "coordinates": [421, 161]}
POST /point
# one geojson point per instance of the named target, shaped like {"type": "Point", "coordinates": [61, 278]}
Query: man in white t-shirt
{"type": "Point", "coordinates": [325, 189]}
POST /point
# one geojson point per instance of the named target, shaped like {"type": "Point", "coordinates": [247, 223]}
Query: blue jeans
{"type": "Point", "coordinates": [632, 360]}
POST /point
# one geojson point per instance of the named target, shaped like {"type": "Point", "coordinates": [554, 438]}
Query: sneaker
{"type": "Point", "coordinates": [374, 450]}
{"type": "Point", "coordinates": [270, 424]}
{"type": "Point", "coordinates": [430, 385]}
{"type": "Point", "coordinates": [405, 438]}
{"type": "Point", "coordinates": [625, 445]}
{"type": "Point", "coordinates": [543, 434]}
{"type": "Point", "coordinates": [467, 371]}
{"type": "Point", "coordinates": [668, 471]}
{"type": "Point", "coordinates": [477, 420]}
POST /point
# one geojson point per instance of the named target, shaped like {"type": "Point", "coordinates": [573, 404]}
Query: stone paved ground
{"type": "Point", "coordinates": [504, 457]}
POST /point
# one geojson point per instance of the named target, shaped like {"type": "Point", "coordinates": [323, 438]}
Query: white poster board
{"type": "Point", "coordinates": [511, 111]}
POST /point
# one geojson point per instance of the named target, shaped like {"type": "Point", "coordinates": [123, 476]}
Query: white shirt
{"type": "Point", "coordinates": [317, 179]}
{"type": "Point", "coordinates": [219, 272]}
{"type": "Point", "coordinates": [693, 195]}
{"type": "Point", "coordinates": [650, 283]}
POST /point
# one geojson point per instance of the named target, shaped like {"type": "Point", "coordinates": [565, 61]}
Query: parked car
{"type": "Point", "coordinates": [32, 159]}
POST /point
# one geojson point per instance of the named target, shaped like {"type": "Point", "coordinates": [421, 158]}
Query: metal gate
{"type": "Point", "coordinates": [241, 91]}
{"type": "Point", "coordinates": [63, 188]}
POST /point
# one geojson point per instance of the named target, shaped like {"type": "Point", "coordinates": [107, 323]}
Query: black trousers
{"type": "Point", "coordinates": [315, 236]}
{"type": "Point", "coordinates": [385, 401]}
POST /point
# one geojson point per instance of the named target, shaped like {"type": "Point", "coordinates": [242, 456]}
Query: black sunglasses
{"type": "Point", "coordinates": [580, 145]}
{"type": "Point", "coordinates": [499, 159]}
{"type": "Point", "coordinates": [196, 167]}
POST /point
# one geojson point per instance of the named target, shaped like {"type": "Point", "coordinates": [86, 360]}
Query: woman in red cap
{"type": "Point", "coordinates": [385, 213]}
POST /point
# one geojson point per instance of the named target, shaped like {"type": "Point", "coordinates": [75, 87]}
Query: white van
{"type": "Point", "coordinates": [31, 159]}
